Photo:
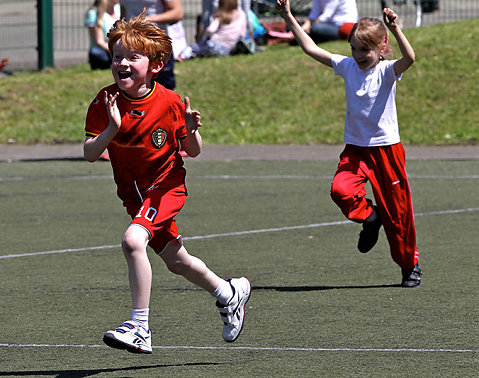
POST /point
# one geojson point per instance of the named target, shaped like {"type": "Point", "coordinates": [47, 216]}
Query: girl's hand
{"type": "Point", "coordinates": [192, 117]}
{"type": "Point", "coordinates": [283, 7]}
{"type": "Point", "coordinates": [390, 18]}
{"type": "Point", "coordinates": [112, 110]}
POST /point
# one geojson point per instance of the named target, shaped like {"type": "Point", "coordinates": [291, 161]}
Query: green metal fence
{"type": "Point", "coordinates": [26, 31]}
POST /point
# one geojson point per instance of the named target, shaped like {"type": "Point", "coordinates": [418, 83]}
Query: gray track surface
{"type": "Point", "coordinates": [12, 152]}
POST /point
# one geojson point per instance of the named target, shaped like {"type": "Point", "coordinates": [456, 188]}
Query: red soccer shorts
{"type": "Point", "coordinates": [157, 215]}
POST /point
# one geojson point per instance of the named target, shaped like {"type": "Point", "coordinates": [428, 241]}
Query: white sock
{"type": "Point", "coordinates": [140, 315]}
{"type": "Point", "coordinates": [223, 293]}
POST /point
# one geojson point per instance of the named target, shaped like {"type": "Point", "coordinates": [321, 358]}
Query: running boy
{"type": "Point", "coordinates": [142, 123]}
{"type": "Point", "coordinates": [373, 149]}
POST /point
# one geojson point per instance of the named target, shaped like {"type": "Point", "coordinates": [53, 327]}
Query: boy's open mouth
{"type": "Point", "coordinates": [124, 75]}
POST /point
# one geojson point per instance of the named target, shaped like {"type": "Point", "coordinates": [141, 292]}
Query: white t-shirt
{"type": "Point", "coordinates": [371, 117]}
{"type": "Point", "coordinates": [335, 12]}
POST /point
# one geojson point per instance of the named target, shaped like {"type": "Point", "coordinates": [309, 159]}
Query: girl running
{"type": "Point", "coordinates": [373, 150]}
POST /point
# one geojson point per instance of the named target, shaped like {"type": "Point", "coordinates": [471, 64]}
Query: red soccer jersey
{"type": "Point", "coordinates": [144, 152]}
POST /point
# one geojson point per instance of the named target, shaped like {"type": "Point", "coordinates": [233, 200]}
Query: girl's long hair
{"type": "Point", "coordinates": [226, 10]}
{"type": "Point", "coordinates": [100, 6]}
{"type": "Point", "coordinates": [371, 33]}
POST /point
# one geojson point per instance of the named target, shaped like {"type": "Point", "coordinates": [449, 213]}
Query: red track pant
{"type": "Point", "coordinates": [384, 167]}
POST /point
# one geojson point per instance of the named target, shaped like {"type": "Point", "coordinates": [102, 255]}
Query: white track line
{"type": "Point", "coordinates": [238, 233]}
{"type": "Point", "coordinates": [237, 177]}
{"type": "Point", "coordinates": [281, 349]}
{"type": "Point", "coordinates": [61, 251]}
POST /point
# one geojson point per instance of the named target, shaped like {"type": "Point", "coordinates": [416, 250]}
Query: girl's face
{"type": "Point", "coordinates": [131, 70]}
{"type": "Point", "coordinates": [366, 58]}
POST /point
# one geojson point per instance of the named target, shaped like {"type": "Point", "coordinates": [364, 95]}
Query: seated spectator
{"type": "Point", "coordinates": [331, 20]}
{"type": "Point", "coordinates": [99, 19]}
{"type": "Point", "coordinates": [222, 35]}
{"type": "Point", "coordinates": [209, 8]}
{"type": "Point", "coordinates": [3, 63]}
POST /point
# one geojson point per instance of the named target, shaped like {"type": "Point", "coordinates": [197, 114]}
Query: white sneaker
{"type": "Point", "coordinates": [233, 313]}
{"type": "Point", "coordinates": [129, 336]}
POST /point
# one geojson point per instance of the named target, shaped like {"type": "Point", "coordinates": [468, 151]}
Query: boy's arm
{"type": "Point", "coordinates": [192, 144]}
{"type": "Point", "coordinates": [304, 40]}
{"type": "Point", "coordinates": [95, 146]}
{"type": "Point", "coordinates": [408, 56]}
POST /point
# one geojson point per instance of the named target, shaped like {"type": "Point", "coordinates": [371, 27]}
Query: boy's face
{"type": "Point", "coordinates": [131, 70]}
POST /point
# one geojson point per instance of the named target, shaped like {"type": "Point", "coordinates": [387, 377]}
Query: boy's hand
{"type": "Point", "coordinates": [112, 110]}
{"type": "Point", "coordinates": [192, 117]}
{"type": "Point", "coordinates": [390, 18]}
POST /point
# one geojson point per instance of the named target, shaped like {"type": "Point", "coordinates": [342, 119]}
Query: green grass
{"type": "Point", "coordinates": [279, 96]}
{"type": "Point", "coordinates": [312, 289]}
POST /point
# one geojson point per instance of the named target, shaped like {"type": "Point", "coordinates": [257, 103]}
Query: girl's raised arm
{"type": "Point", "coordinates": [304, 40]}
{"type": "Point", "coordinates": [408, 56]}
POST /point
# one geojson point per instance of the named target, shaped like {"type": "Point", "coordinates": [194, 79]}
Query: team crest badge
{"type": "Point", "coordinates": [158, 137]}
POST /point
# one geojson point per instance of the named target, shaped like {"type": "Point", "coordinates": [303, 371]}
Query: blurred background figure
{"type": "Point", "coordinates": [99, 19]}
{"type": "Point", "coordinates": [178, 38]}
{"type": "Point", "coordinates": [3, 63]}
{"type": "Point", "coordinates": [163, 13]}
{"type": "Point", "coordinates": [222, 34]}
{"type": "Point", "coordinates": [330, 20]}
{"type": "Point", "coordinates": [209, 8]}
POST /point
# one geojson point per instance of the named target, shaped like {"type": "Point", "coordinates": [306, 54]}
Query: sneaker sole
{"type": "Point", "coordinates": [117, 344]}
{"type": "Point", "coordinates": [244, 317]}
{"type": "Point", "coordinates": [411, 284]}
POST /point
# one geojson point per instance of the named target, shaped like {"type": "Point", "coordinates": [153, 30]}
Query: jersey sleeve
{"type": "Point", "coordinates": [178, 110]}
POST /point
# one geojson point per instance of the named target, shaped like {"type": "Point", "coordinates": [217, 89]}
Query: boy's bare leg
{"type": "Point", "coordinates": [139, 268]}
{"type": "Point", "coordinates": [134, 335]}
{"type": "Point", "coordinates": [231, 294]}
{"type": "Point", "coordinates": [179, 261]}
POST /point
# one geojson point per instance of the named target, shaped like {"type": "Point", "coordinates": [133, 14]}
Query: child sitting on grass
{"type": "Point", "coordinates": [222, 35]}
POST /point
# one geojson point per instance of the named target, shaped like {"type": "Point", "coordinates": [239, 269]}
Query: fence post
{"type": "Point", "coordinates": [45, 33]}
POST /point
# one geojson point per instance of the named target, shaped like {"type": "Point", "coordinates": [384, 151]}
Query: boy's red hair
{"type": "Point", "coordinates": [145, 36]}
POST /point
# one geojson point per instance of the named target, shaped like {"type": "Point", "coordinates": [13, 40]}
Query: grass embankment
{"type": "Point", "coordinates": [276, 97]}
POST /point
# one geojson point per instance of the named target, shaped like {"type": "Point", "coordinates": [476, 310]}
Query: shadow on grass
{"type": "Point", "coordinates": [91, 372]}
{"type": "Point", "coordinates": [318, 288]}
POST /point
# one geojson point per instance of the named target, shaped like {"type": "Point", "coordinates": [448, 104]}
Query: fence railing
{"type": "Point", "coordinates": [19, 24]}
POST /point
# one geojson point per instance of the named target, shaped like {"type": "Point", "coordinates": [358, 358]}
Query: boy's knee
{"type": "Point", "coordinates": [135, 239]}
{"type": "Point", "coordinates": [127, 245]}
